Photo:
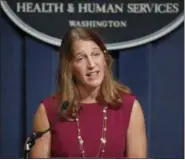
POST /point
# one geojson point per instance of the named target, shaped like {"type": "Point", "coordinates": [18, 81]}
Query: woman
{"type": "Point", "coordinates": [103, 120]}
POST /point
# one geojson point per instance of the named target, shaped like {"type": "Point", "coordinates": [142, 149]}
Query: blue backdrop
{"type": "Point", "coordinates": [155, 73]}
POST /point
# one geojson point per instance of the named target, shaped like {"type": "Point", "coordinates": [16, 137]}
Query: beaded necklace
{"type": "Point", "coordinates": [103, 140]}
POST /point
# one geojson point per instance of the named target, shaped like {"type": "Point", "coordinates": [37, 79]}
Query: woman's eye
{"type": "Point", "coordinates": [79, 59]}
{"type": "Point", "coordinates": [96, 54]}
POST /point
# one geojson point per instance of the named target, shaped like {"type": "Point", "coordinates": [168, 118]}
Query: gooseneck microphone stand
{"type": "Point", "coordinates": [32, 138]}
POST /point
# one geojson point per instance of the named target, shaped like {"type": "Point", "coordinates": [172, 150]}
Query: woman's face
{"type": "Point", "coordinates": [88, 64]}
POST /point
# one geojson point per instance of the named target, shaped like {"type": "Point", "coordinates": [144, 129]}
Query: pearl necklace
{"type": "Point", "coordinates": [103, 141]}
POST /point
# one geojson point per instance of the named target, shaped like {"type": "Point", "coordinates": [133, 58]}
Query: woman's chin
{"type": "Point", "coordinates": [93, 85]}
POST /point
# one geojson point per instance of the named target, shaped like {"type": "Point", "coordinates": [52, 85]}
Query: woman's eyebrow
{"type": "Point", "coordinates": [79, 53]}
{"type": "Point", "coordinates": [96, 48]}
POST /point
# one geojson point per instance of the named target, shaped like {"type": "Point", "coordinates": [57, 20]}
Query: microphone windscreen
{"type": "Point", "coordinates": [65, 105]}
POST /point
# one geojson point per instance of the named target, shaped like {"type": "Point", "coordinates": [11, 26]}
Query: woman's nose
{"type": "Point", "coordinates": [91, 63]}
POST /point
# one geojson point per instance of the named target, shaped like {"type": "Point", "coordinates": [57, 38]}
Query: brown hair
{"type": "Point", "coordinates": [110, 89]}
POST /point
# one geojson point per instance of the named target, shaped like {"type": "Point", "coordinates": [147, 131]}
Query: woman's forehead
{"type": "Point", "coordinates": [82, 46]}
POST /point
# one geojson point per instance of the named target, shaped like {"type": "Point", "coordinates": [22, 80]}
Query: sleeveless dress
{"type": "Point", "coordinates": [64, 143]}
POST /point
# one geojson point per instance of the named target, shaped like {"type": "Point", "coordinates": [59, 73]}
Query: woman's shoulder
{"type": "Point", "coordinates": [50, 100]}
{"type": "Point", "coordinates": [51, 106]}
{"type": "Point", "coordinates": [128, 100]}
{"type": "Point", "coordinates": [128, 97]}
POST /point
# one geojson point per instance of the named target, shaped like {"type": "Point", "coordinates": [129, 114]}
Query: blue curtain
{"type": "Point", "coordinates": [153, 71]}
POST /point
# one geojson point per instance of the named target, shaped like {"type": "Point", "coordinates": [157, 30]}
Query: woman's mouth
{"type": "Point", "coordinates": [92, 74]}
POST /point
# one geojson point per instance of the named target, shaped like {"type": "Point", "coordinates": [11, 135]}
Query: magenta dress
{"type": "Point", "coordinates": [64, 143]}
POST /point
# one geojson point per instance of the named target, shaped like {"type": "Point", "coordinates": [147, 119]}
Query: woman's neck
{"type": "Point", "coordinates": [88, 95]}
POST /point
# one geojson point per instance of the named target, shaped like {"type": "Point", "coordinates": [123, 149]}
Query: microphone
{"type": "Point", "coordinates": [35, 135]}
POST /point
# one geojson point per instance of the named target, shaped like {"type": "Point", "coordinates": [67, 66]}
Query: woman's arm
{"type": "Point", "coordinates": [136, 146]}
{"type": "Point", "coordinates": [42, 146]}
